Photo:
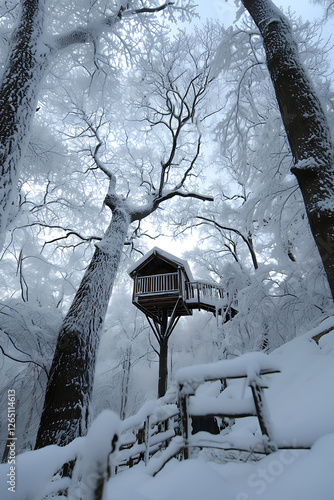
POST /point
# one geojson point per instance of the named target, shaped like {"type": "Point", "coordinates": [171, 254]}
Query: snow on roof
{"type": "Point", "coordinates": [168, 256]}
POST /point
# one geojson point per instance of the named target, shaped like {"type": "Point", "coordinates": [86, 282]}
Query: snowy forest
{"type": "Point", "coordinates": [145, 133]}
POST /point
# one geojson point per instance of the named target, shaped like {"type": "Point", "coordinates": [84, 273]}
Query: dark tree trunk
{"type": "Point", "coordinates": [71, 376]}
{"type": "Point", "coordinates": [23, 73]}
{"type": "Point", "coordinates": [305, 124]}
{"type": "Point", "coordinates": [163, 367]}
{"type": "Point", "coordinates": [163, 356]}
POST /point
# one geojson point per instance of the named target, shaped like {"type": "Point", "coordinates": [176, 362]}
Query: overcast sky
{"type": "Point", "coordinates": [225, 9]}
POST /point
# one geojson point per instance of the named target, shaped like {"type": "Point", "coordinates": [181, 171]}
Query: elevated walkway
{"type": "Point", "coordinates": [209, 297]}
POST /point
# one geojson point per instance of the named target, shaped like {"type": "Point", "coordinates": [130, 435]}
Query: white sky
{"type": "Point", "coordinates": [225, 9]}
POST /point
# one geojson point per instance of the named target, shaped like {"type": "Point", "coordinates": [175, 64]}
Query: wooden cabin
{"type": "Point", "coordinates": [165, 282]}
{"type": "Point", "coordinates": [160, 283]}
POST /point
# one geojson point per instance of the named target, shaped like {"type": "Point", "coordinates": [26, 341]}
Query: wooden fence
{"type": "Point", "coordinates": [165, 426]}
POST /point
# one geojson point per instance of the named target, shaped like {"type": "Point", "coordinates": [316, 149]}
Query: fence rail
{"type": "Point", "coordinates": [144, 441]}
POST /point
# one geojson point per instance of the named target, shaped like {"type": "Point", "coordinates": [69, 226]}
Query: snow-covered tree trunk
{"type": "Point", "coordinates": [71, 376]}
{"type": "Point", "coordinates": [305, 123]}
{"type": "Point", "coordinates": [23, 72]}
{"type": "Point", "coordinates": [70, 381]}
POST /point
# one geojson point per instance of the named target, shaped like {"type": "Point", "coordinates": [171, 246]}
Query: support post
{"type": "Point", "coordinates": [262, 415]}
{"type": "Point", "coordinates": [163, 366]}
{"type": "Point", "coordinates": [185, 424]}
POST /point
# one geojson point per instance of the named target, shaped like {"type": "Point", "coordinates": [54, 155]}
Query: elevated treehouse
{"type": "Point", "coordinates": [164, 290]}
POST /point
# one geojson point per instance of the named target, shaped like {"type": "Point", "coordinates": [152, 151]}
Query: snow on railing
{"type": "Point", "coordinates": [157, 283]}
{"type": "Point", "coordinates": [197, 290]}
{"type": "Point", "coordinates": [250, 366]}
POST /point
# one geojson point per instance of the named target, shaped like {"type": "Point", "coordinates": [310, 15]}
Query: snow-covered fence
{"type": "Point", "coordinates": [147, 432]}
{"type": "Point", "coordinates": [251, 367]}
{"type": "Point", "coordinates": [161, 425]}
{"type": "Point", "coordinates": [165, 426]}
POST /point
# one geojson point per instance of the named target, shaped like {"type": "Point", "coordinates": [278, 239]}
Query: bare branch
{"type": "Point", "coordinates": [74, 233]}
{"type": "Point", "coordinates": [142, 212]}
{"type": "Point", "coordinates": [23, 360]}
{"type": "Point", "coordinates": [236, 231]}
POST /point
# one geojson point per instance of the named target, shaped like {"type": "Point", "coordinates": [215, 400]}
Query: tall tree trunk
{"type": "Point", "coordinates": [305, 123]}
{"type": "Point", "coordinates": [70, 381]}
{"type": "Point", "coordinates": [23, 73]}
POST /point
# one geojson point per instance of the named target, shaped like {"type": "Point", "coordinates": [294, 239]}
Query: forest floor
{"type": "Point", "coordinates": [301, 404]}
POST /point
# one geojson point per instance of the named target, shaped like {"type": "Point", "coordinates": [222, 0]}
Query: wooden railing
{"type": "Point", "coordinates": [166, 427]}
{"type": "Point", "coordinates": [157, 283]}
{"type": "Point", "coordinates": [189, 379]}
{"type": "Point", "coordinates": [201, 290]}
{"type": "Point", "coordinates": [169, 282]}
{"type": "Point", "coordinates": [141, 442]}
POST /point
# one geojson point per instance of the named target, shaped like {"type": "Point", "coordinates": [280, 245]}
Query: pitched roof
{"type": "Point", "coordinates": [165, 256]}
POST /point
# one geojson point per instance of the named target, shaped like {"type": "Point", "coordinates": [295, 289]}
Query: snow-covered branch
{"type": "Point", "coordinates": [22, 360]}
{"type": "Point", "coordinates": [236, 231]}
{"type": "Point", "coordinates": [89, 33]}
{"type": "Point", "coordinates": [142, 212]}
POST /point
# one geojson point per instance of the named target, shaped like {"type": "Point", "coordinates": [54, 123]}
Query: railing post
{"type": "Point", "coordinates": [262, 415]}
{"type": "Point", "coordinates": [147, 440]}
{"type": "Point", "coordinates": [185, 419]}
{"type": "Point", "coordinates": [179, 277]}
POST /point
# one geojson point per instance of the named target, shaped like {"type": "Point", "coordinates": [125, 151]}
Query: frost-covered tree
{"type": "Point", "coordinates": [27, 341]}
{"type": "Point", "coordinates": [154, 162]}
{"type": "Point", "coordinates": [35, 34]}
{"type": "Point", "coordinates": [328, 7]}
{"type": "Point", "coordinates": [255, 238]}
{"type": "Point", "coordinates": [305, 123]}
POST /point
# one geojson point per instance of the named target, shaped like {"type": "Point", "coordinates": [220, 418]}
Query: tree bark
{"type": "Point", "coordinates": [163, 357]}
{"type": "Point", "coordinates": [163, 367]}
{"type": "Point", "coordinates": [70, 382]}
{"type": "Point", "coordinates": [24, 70]}
{"type": "Point", "coordinates": [305, 123]}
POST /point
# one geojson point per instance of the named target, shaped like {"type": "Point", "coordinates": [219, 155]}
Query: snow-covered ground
{"type": "Point", "coordinates": [301, 404]}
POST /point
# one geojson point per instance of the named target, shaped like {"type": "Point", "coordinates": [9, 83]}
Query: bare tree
{"type": "Point", "coordinates": [170, 115]}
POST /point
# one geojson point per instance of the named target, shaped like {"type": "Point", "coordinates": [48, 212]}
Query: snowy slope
{"type": "Point", "coordinates": [301, 403]}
